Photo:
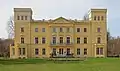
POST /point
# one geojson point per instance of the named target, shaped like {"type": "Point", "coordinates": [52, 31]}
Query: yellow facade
{"type": "Point", "coordinates": [61, 36]}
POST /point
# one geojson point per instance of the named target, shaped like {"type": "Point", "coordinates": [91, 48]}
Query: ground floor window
{"type": "Point", "coordinates": [54, 51]}
{"type": "Point", "coordinates": [23, 51]}
{"type": "Point", "coordinates": [36, 51]}
{"type": "Point", "coordinates": [43, 51]}
{"type": "Point", "coordinates": [99, 51]}
{"type": "Point", "coordinates": [68, 51]}
{"type": "Point", "coordinates": [85, 51]}
{"type": "Point", "coordinates": [78, 51]}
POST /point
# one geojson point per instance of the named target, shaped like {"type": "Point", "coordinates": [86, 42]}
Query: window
{"type": "Point", "coordinates": [25, 17]}
{"type": "Point", "coordinates": [36, 40]}
{"type": "Point", "coordinates": [54, 29]}
{"type": "Point", "coordinates": [36, 29]}
{"type": "Point", "coordinates": [19, 51]}
{"type": "Point", "coordinates": [61, 29]}
{"type": "Point", "coordinates": [102, 18]}
{"type": "Point", "coordinates": [54, 51]}
{"type": "Point", "coordinates": [21, 17]}
{"type": "Point", "coordinates": [85, 51]}
{"type": "Point", "coordinates": [43, 40]}
{"type": "Point", "coordinates": [99, 51]}
{"type": "Point", "coordinates": [85, 40]}
{"type": "Point", "coordinates": [78, 51]}
{"type": "Point", "coordinates": [22, 40]}
{"type": "Point", "coordinates": [13, 50]}
{"type": "Point", "coordinates": [23, 51]}
{"type": "Point", "coordinates": [98, 40]}
{"type": "Point", "coordinates": [43, 51]}
{"type": "Point", "coordinates": [98, 29]}
{"type": "Point", "coordinates": [85, 29]}
{"type": "Point", "coordinates": [68, 29]}
{"type": "Point", "coordinates": [94, 17]}
{"type": "Point", "coordinates": [54, 40]}
{"type": "Point", "coordinates": [98, 18]}
{"type": "Point", "coordinates": [18, 17]}
{"type": "Point", "coordinates": [36, 51]}
{"type": "Point", "coordinates": [43, 29]}
{"type": "Point", "coordinates": [61, 40]}
{"type": "Point", "coordinates": [78, 29]}
{"type": "Point", "coordinates": [22, 29]}
{"type": "Point", "coordinates": [68, 51]}
{"type": "Point", "coordinates": [78, 40]}
{"type": "Point", "coordinates": [68, 40]}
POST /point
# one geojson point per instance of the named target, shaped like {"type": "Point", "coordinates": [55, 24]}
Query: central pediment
{"type": "Point", "coordinates": [61, 20]}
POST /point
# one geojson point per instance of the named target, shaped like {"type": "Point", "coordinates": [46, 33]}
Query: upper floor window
{"type": "Point", "coordinates": [22, 18]}
{"type": "Point", "coordinates": [78, 40]}
{"type": "Point", "coordinates": [36, 40]}
{"type": "Point", "coordinates": [68, 40]}
{"type": "Point", "coordinates": [98, 29]}
{"type": "Point", "coordinates": [98, 40]}
{"type": "Point", "coordinates": [61, 40]}
{"type": "Point", "coordinates": [18, 17]}
{"type": "Point", "coordinates": [43, 29]}
{"type": "Point", "coordinates": [98, 18]}
{"type": "Point", "coordinates": [43, 51]}
{"type": "Point", "coordinates": [22, 29]}
{"type": "Point", "coordinates": [85, 51]}
{"type": "Point", "coordinates": [61, 29]}
{"type": "Point", "coordinates": [22, 40]}
{"type": "Point", "coordinates": [78, 51]}
{"type": "Point", "coordinates": [68, 29]}
{"type": "Point", "coordinates": [94, 17]}
{"type": "Point", "coordinates": [36, 29]}
{"type": "Point", "coordinates": [36, 51]}
{"type": "Point", "coordinates": [25, 17]}
{"type": "Point", "coordinates": [54, 40]}
{"type": "Point", "coordinates": [85, 40]}
{"type": "Point", "coordinates": [85, 29]}
{"type": "Point", "coordinates": [43, 40]}
{"type": "Point", "coordinates": [78, 29]}
{"type": "Point", "coordinates": [54, 29]}
{"type": "Point", "coordinates": [102, 18]}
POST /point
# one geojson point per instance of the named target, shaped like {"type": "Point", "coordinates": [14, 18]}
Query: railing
{"type": "Point", "coordinates": [61, 44]}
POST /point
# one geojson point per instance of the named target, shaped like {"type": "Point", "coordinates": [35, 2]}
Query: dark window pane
{"type": "Point", "coordinates": [78, 40]}
{"type": "Point", "coordinates": [36, 29]}
{"type": "Point", "coordinates": [43, 40]}
{"type": "Point", "coordinates": [101, 51]}
{"type": "Point", "coordinates": [98, 18]}
{"type": "Point", "coordinates": [22, 40]}
{"type": "Point", "coordinates": [97, 51]}
{"type": "Point", "coordinates": [61, 40]}
{"type": "Point", "coordinates": [98, 40]}
{"type": "Point", "coordinates": [36, 51]}
{"type": "Point", "coordinates": [43, 51]}
{"type": "Point", "coordinates": [85, 29]}
{"type": "Point", "coordinates": [85, 51]}
{"type": "Point", "coordinates": [78, 29]}
{"type": "Point", "coordinates": [22, 29]}
{"type": "Point", "coordinates": [85, 40]}
{"type": "Point", "coordinates": [78, 51]}
{"type": "Point", "coordinates": [94, 17]}
{"type": "Point", "coordinates": [36, 40]}
{"type": "Point", "coordinates": [18, 17]}
{"type": "Point", "coordinates": [21, 17]}
{"type": "Point", "coordinates": [25, 17]}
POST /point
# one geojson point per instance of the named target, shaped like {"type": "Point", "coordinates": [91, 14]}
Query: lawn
{"type": "Point", "coordinates": [91, 64]}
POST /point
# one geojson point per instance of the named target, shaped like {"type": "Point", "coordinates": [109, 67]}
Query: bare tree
{"type": "Point", "coordinates": [10, 27]}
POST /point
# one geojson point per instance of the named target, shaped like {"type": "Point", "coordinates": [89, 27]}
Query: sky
{"type": "Point", "coordinates": [51, 9]}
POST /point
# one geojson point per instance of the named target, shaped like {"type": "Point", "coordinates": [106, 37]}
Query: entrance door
{"type": "Point", "coordinates": [68, 51]}
{"type": "Point", "coordinates": [60, 50]}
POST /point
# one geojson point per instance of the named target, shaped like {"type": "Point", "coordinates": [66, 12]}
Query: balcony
{"type": "Point", "coordinates": [61, 44]}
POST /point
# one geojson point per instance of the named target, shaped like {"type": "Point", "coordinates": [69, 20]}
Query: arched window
{"type": "Point", "coordinates": [98, 40]}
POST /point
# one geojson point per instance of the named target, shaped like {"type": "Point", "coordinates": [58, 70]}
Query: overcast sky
{"type": "Point", "coordinates": [75, 9]}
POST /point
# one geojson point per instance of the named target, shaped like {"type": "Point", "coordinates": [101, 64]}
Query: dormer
{"type": "Point", "coordinates": [22, 14]}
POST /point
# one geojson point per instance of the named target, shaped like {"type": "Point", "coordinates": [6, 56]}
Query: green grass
{"type": "Point", "coordinates": [91, 64]}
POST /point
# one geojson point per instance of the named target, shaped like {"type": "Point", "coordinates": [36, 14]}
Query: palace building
{"type": "Point", "coordinates": [60, 37]}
